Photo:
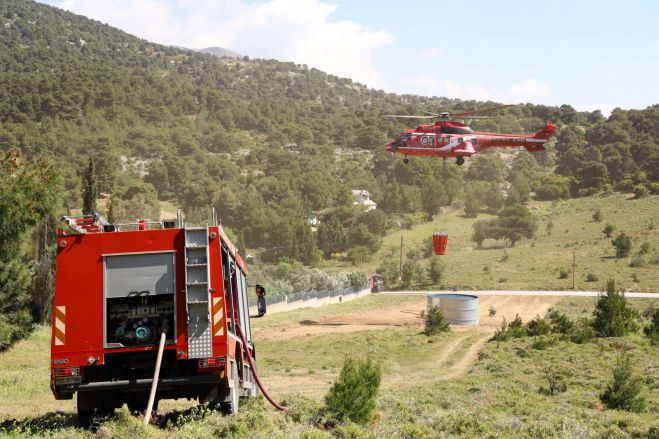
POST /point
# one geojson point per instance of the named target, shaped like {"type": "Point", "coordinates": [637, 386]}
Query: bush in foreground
{"type": "Point", "coordinates": [436, 323]}
{"type": "Point", "coordinates": [352, 396]}
{"type": "Point", "coordinates": [624, 391]}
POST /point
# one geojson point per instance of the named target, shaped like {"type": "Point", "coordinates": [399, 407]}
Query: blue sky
{"type": "Point", "coordinates": [590, 54]}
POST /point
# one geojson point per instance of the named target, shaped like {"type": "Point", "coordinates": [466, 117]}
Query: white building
{"type": "Point", "coordinates": [363, 198]}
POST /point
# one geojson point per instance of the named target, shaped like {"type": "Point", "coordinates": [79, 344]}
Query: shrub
{"type": "Point", "coordinates": [516, 327]}
{"type": "Point", "coordinates": [411, 273]}
{"type": "Point", "coordinates": [608, 230]}
{"type": "Point", "coordinates": [502, 333]}
{"type": "Point", "coordinates": [537, 326]}
{"type": "Point", "coordinates": [597, 215]}
{"type": "Point", "coordinates": [352, 396]}
{"type": "Point", "coordinates": [583, 333]}
{"type": "Point", "coordinates": [542, 343]}
{"type": "Point", "coordinates": [389, 270]}
{"type": "Point", "coordinates": [556, 382]}
{"type": "Point", "coordinates": [641, 191]}
{"type": "Point", "coordinates": [435, 322]}
{"type": "Point", "coordinates": [645, 248]}
{"type": "Point", "coordinates": [492, 311]}
{"type": "Point", "coordinates": [591, 277]}
{"type": "Point", "coordinates": [561, 323]}
{"type": "Point", "coordinates": [436, 270]}
{"type": "Point", "coordinates": [357, 279]}
{"type": "Point", "coordinates": [563, 273]}
{"type": "Point", "coordinates": [652, 330]}
{"type": "Point", "coordinates": [613, 317]}
{"type": "Point", "coordinates": [624, 391]}
{"type": "Point", "coordinates": [622, 244]}
{"type": "Point", "coordinates": [638, 261]}
{"type": "Point", "coordinates": [521, 352]}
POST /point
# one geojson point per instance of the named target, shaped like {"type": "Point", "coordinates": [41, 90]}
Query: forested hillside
{"type": "Point", "coordinates": [268, 143]}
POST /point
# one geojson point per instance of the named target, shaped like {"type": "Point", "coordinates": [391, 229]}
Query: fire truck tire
{"type": "Point", "coordinates": [230, 407]}
{"type": "Point", "coordinates": [92, 408]}
{"type": "Point", "coordinates": [139, 405]}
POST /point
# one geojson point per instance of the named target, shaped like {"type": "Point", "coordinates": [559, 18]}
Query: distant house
{"type": "Point", "coordinates": [363, 198]}
{"type": "Point", "coordinates": [313, 220]}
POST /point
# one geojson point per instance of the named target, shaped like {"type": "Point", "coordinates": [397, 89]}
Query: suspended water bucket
{"type": "Point", "coordinates": [439, 241]}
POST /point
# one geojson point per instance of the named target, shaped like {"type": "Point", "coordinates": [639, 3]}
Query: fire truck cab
{"type": "Point", "coordinates": [119, 287]}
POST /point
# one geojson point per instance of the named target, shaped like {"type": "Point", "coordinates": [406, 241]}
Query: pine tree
{"type": "Point", "coordinates": [89, 190]}
{"type": "Point", "coordinates": [352, 396]}
{"type": "Point", "coordinates": [613, 316]}
{"type": "Point", "coordinates": [624, 391]}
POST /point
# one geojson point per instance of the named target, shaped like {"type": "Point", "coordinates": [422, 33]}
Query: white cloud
{"type": "Point", "coordinates": [530, 90]}
{"type": "Point", "coordinates": [289, 30]}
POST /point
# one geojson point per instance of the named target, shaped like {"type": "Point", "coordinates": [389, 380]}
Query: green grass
{"type": "Point", "coordinates": [534, 264]}
{"type": "Point", "coordinates": [422, 393]}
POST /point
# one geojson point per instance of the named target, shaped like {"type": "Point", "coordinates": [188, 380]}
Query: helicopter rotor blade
{"type": "Point", "coordinates": [432, 114]}
{"type": "Point", "coordinates": [484, 110]}
{"type": "Point", "coordinates": [408, 117]}
{"type": "Point", "coordinates": [473, 117]}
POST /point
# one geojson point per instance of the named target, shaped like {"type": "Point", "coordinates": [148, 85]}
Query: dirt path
{"type": "Point", "coordinates": [409, 314]}
{"type": "Point", "coordinates": [464, 365]}
{"type": "Point", "coordinates": [453, 358]}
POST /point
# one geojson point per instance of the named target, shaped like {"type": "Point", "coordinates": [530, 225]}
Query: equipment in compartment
{"type": "Point", "coordinates": [136, 321]}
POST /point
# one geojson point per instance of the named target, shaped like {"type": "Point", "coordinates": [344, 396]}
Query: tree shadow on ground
{"type": "Point", "coordinates": [40, 425]}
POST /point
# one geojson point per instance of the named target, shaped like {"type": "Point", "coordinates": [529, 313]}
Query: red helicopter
{"type": "Point", "coordinates": [446, 138]}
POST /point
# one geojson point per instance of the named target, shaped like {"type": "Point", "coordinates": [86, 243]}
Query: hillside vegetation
{"type": "Point", "coordinates": [565, 228]}
{"type": "Point", "coordinates": [269, 144]}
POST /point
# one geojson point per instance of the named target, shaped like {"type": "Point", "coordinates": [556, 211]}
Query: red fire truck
{"type": "Point", "coordinates": [119, 287]}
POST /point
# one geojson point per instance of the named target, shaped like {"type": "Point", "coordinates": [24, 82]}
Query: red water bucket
{"type": "Point", "coordinates": [439, 241]}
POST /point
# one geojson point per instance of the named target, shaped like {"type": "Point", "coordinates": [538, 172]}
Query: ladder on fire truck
{"type": "Point", "coordinates": [197, 293]}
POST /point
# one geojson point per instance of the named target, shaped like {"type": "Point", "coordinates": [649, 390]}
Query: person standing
{"type": "Point", "coordinates": [260, 300]}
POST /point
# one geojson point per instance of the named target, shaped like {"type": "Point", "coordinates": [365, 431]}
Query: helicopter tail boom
{"type": "Point", "coordinates": [546, 132]}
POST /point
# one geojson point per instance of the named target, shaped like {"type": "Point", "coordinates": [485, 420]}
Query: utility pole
{"type": "Point", "coordinates": [400, 264]}
{"type": "Point", "coordinates": [574, 265]}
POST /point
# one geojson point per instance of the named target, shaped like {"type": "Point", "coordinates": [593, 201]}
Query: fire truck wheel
{"type": "Point", "coordinates": [230, 407]}
{"type": "Point", "coordinates": [139, 405]}
{"type": "Point", "coordinates": [92, 409]}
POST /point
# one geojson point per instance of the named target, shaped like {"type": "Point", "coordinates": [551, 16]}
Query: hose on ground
{"type": "Point", "coordinates": [274, 403]}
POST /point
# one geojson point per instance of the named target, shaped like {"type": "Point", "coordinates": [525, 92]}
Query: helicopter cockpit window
{"type": "Point", "coordinates": [424, 140]}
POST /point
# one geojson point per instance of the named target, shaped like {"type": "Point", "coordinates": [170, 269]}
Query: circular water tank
{"type": "Point", "coordinates": [459, 309]}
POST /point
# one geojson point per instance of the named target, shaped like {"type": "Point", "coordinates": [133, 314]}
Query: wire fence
{"type": "Point", "coordinates": [307, 295]}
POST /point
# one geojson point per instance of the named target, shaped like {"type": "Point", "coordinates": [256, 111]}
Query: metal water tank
{"type": "Point", "coordinates": [459, 309]}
